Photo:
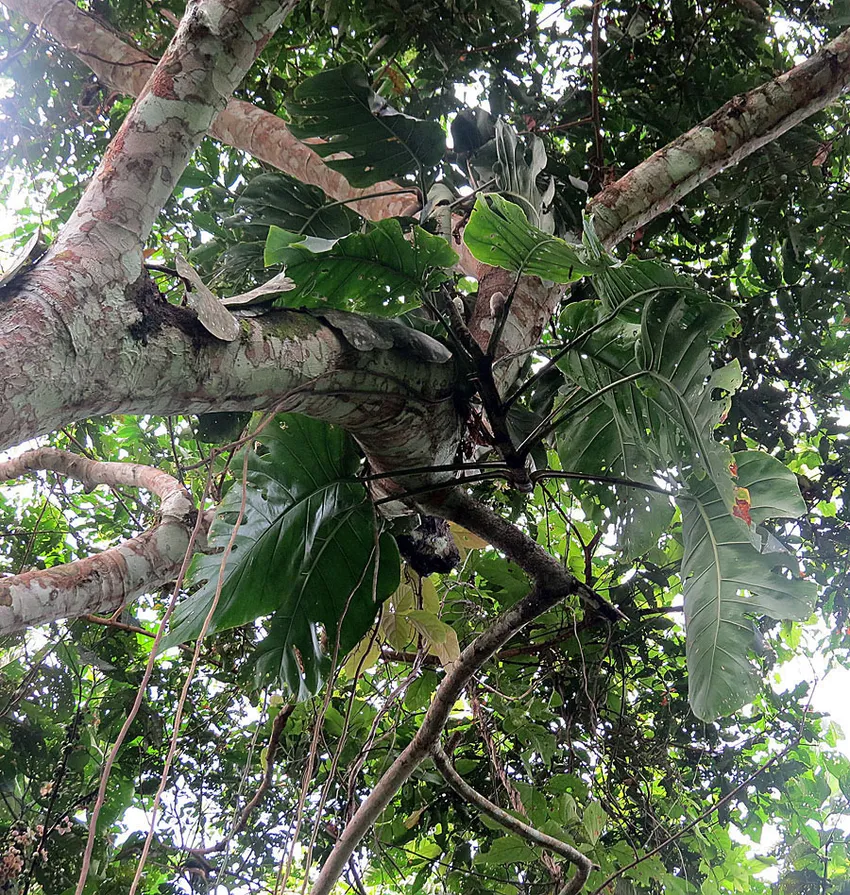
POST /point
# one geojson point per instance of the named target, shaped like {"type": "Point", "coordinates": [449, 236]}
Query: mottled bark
{"type": "Point", "coordinates": [86, 333]}
{"type": "Point", "coordinates": [127, 69]}
{"type": "Point", "coordinates": [734, 131]}
{"type": "Point", "coordinates": [106, 581]}
{"type": "Point", "coordinates": [61, 363]}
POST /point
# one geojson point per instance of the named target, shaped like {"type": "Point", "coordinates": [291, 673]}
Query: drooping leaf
{"type": "Point", "coordinates": [646, 401]}
{"type": "Point", "coordinates": [305, 551]}
{"type": "Point", "coordinates": [517, 170]}
{"type": "Point", "coordinates": [498, 233]}
{"type": "Point", "coordinates": [378, 272]}
{"type": "Point", "coordinates": [440, 638]}
{"type": "Point", "coordinates": [627, 284]}
{"type": "Point", "coordinates": [212, 314]}
{"type": "Point", "coordinates": [727, 581]}
{"type": "Point", "coordinates": [340, 107]}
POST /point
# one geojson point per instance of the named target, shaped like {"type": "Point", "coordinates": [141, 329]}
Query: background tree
{"type": "Point", "coordinates": [375, 701]}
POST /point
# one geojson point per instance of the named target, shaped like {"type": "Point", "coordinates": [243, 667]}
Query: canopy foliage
{"type": "Point", "coordinates": [677, 440]}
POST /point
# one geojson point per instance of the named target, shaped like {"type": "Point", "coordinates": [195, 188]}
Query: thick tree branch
{"type": "Point", "coordinates": [734, 131]}
{"type": "Point", "coordinates": [109, 579]}
{"type": "Point", "coordinates": [536, 837]}
{"type": "Point", "coordinates": [212, 50]}
{"type": "Point", "coordinates": [63, 360]}
{"type": "Point", "coordinates": [478, 518]}
{"type": "Point", "coordinates": [241, 125]}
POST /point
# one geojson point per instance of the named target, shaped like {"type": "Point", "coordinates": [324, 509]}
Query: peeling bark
{"type": "Point", "coordinates": [106, 581]}
{"type": "Point", "coordinates": [734, 131]}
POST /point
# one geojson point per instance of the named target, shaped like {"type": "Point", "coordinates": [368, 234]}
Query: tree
{"type": "Point", "coordinates": [474, 449]}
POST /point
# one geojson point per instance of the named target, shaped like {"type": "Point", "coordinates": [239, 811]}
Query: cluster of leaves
{"type": "Point", "coordinates": [587, 731]}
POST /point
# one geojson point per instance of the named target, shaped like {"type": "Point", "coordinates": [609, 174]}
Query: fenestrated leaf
{"type": "Point", "coordinates": [305, 551]}
{"type": "Point", "coordinates": [597, 442]}
{"type": "Point", "coordinates": [340, 107]}
{"type": "Point", "coordinates": [378, 272]}
{"type": "Point", "coordinates": [629, 283]}
{"type": "Point", "coordinates": [647, 402]}
{"type": "Point", "coordinates": [275, 199]}
{"type": "Point", "coordinates": [498, 233]}
{"type": "Point", "coordinates": [727, 581]}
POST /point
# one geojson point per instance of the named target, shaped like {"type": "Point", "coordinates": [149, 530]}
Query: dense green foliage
{"type": "Point", "coordinates": [705, 361]}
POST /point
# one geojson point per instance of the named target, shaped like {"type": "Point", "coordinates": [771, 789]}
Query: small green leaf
{"type": "Point", "coordinates": [507, 850]}
{"type": "Point", "coordinates": [593, 818]}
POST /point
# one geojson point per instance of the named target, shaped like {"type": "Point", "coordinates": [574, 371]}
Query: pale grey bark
{"type": "Point", "coordinates": [736, 130]}
{"type": "Point", "coordinates": [103, 582]}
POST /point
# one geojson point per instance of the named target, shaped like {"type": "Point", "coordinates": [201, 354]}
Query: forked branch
{"type": "Point", "coordinates": [552, 584]}
{"type": "Point", "coordinates": [582, 863]}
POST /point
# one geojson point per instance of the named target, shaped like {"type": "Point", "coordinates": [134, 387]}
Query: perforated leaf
{"type": "Point", "coordinates": [340, 107]}
{"type": "Point", "coordinates": [727, 581]}
{"type": "Point", "coordinates": [647, 401]}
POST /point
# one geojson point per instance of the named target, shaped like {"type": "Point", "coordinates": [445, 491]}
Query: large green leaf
{"type": "Point", "coordinates": [305, 551]}
{"type": "Point", "coordinates": [498, 233]}
{"type": "Point", "coordinates": [621, 284]}
{"type": "Point", "coordinates": [727, 580]}
{"type": "Point", "coordinates": [271, 199]}
{"type": "Point", "coordinates": [646, 401]}
{"type": "Point", "coordinates": [275, 199]}
{"type": "Point", "coordinates": [340, 107]}
{"type": "Point", "coordinates": [773, 490]}
{"type": "Point", "coordinates": [378, 272]}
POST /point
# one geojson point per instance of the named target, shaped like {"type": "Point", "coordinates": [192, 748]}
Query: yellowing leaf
{"type": "Point", "coordinates": [440, 637]}
{"type": "Point", "coordinates": [365, 655]}
{"type": "Point", "coordinates": [395, 628]}
{"type": "Point", "coordinates": [430, 597]}
{"type": "Point", "coordinates": [466, 540]}
{"type": "Point", "coordinates": [412, 819]}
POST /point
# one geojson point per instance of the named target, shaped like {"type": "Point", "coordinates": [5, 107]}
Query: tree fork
{"type": "Point", "coordinates": [552, 584]}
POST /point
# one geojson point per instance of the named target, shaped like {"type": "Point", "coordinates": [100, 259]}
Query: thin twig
{"type": "Point", "coordinates": [599, 158]}
{"type": "Point", "coordinates": [710, 810]}
{"type": "Point", "coordinates": [582, 863]}
{"type": "Point", "coordinates": [278, 726]}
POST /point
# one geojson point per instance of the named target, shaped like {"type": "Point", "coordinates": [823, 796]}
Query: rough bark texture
{"type": "Point", "coordinates": [85, 333]}
{"type": "Point", "coordinates": [105, 581]}
{"type": "Point", "coordinates": [734, 131]}
{"type": "Point", "coordinates": [242, 125]}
